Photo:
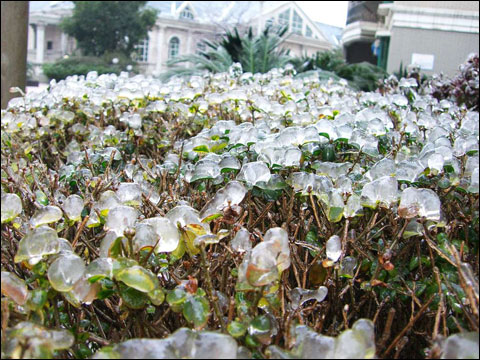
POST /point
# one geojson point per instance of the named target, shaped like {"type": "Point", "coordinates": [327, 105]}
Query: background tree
{"type": "Point", "coordinates": [109, 26]}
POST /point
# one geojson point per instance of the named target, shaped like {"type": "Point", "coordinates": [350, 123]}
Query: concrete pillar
{"type": "Point", "coordinates": [40, 43]}
{"type": "Point", "coordinates": [14, 29]}
{"type": "Point", "coordinates": [160, 47]}
{"type": "Point", "coordinates": [63, 43]}
{"type": "Point", "coordinates": [189, 45]}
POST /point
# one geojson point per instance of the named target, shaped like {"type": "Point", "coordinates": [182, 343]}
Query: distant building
{"type": "Point", "coordinates": [182, 26]}
{"type": "Point", "coordinates": [436, 35]}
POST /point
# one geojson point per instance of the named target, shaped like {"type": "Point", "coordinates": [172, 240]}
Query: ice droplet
{"type": "Point", "coordinates": [33, 246]}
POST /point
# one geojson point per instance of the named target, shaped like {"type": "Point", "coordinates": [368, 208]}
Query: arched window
{"type": "Point", "coordinates": [186, 13]}
{"type": "Point", "coordinates": [173, 47]}
{"type": "Point", "coordinates": [142, 50]}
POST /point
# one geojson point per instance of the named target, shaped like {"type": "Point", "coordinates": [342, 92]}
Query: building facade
{"type": "Point", "coordinates": [435, 35]}
{"type": "Point", "coordinates": [181, 27]}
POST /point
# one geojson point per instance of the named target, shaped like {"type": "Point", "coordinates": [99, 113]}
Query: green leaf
{"type": "Point", "coordinates": [132, 297]}
{"type": "Point", "coordinates": [237, 329]}
{"type": "Point", "coordinates": [176, 296]}
{"type": "Point", "coordinates": [335, 214]}
{"type": "Point", "coordinates": [201, 149]}
{"type": "Point", "coordinates": [41, 197]}
{"type": "Point", "coordinates": [138, 278]}
{"type": "Point", "coordinates": [196, 310]}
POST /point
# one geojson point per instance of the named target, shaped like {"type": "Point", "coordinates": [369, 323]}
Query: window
{"type": "Point", "coordinates": [186, 13]}
{"type": "Point", "coordinates": [201, 47]}
{"type": "Point", "coordinates": [49, 45]}
{"type": "Point", "coordinates": [308, 32]}
{"type": "Point", "coordinates": [269, 22]}
{"type": "Point", "coordinates": [142, 50]}
{"type": "Point", "coordinates": [284, 18]}
{"type": "Point", "coordinates": [173, 47]}
{"type": "Point", "coordinates": [297, 23]}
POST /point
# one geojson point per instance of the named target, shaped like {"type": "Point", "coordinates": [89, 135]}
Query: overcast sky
{"type": "Point", "coordinates": [327, 12]}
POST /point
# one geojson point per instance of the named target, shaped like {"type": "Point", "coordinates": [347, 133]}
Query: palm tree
{"type": "Point", "coordinates": [256, 54]}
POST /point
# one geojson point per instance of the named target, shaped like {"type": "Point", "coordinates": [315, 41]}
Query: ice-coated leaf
{"type": "Point", "coordinates": [11, 207]}
{"type": "Point", "coordinates": [383, 190]}
{"type": "Point", "coordinates": [182, 344]}
{"type": "Point", "coordinates": [36, 244]}
{"type": "Point", "coordinates": [14, 287]}
{"type": "Point", "coordinates": [65, 271]}
{"type": "Point", "coordinates": [232, 194]}
{"type": "Point", "coordinates": [138, 278]}
{"type": "Point", "coordinates": [254, 172]}
{"type": "Point", "coordinates": [300, 296]}
{"type": "Point", "coordinates": [120, 218]}
{"type": "Point", "coordinates": [461, 346]}
{"type": "Point", "coordinates": [419, 202]}
{"type": "Point", "coordinates": [241, 242]}
{"type": "Point", "coordinates": [334, 248]}
{"type": "Point", "coordinates": [73, 207]}
{"type": "Point", "coordinates": [168, 233]}
{"type": "Point", "coordinates": [99, 269]}
{"type": "Point", "coordinates": [46, 215]}
{"type": "Point", "coordinates": [129, 194]}
{"type": "Point", "coordinates": [196, 310]}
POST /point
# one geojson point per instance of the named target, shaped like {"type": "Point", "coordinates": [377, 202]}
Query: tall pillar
{"type": "Point", "coordinates": [14, 29]}
{"type": "Point", "coordinates": [63, 43]}
{"type": "Point", "coordinates": [189, 44]}
{"type": "Point", "coordinates": [40, 43]}
{"type": "Point", "coordinates": [160, 48]}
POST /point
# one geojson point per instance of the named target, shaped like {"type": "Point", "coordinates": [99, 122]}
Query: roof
{"type": "Point", "coordinates": [332, 33]}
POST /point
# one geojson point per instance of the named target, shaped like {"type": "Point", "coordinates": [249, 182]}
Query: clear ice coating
{"type": "Point", "coordinates": [65, 271]}
{"type": "Point", "coordinates": [232, 194]}
{"type": "Point", "coordinates": [168, 233]}
{"type": "Point", "coordinates": [355, 343]}
{"type": "Point", "coordinates": [254, 172]}
{"type": "Point", "coordinates": [383, 190]}
{"type": "Point", "coordinates": [334, 248]}
{"type": "Point", "coordinates": [14, 287]}
{"type": "Point", "coordinates": [461, 346]}
{"type": "Point", "coordinates": [39, 242]}
{"type": "Point", "coordinates": [182, 344]}
{"type": "Point", "coordinates": [299, 296]}
{"type": "Point", "coordinates": [419, 202]}
{"type": "Point", "coordinates": [46, 215]}
{"type": "Point", "coordinates": [347, 267]}
{"type": "Point", "coordinates": [11, 207]}
{"type": "Point", "coordinates": [73, 207]}
{"type": "Point", "coordinates": [307, 182]}
{"type": "Point", "coordinates": [241, 241]}
{"type": "Point", "coordinates": [121, 217]}
{"type": "Point", "coordinates": [129, 194]}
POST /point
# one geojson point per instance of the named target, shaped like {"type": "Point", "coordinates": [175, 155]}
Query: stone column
{"type": "Point", "coordinates": [63, 43]}
{"type": "Point", "coordinates": [160, 48]}
{"type": "Point", "coordinates": [14, 26]}
{"type": "Point", "coordinates": [189, 44]}
{"type": "Point", "coordinates": [40, 43]}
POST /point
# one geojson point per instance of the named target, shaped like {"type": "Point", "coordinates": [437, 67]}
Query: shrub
{"type": "Point", "coordinates": [464, 87]}
{"type": "Point", "coordinates": [81, 65]}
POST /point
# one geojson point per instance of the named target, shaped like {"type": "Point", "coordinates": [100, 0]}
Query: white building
{"type": "Point", "coordinates": [180, 28]}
